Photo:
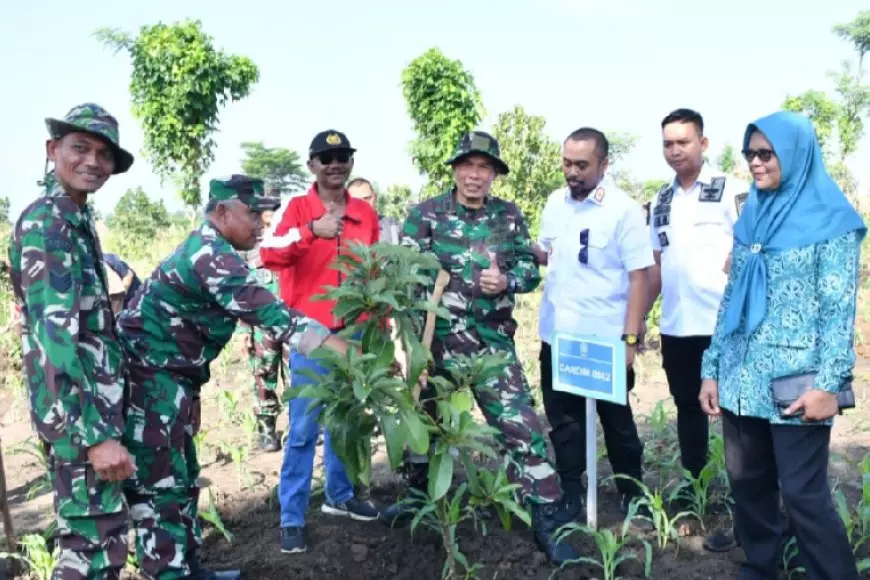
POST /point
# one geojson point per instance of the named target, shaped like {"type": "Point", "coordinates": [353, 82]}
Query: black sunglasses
{"type": "Point", "coordinates": [583, 256]}
{"type": "Point", "coordinates": [330, 156]}
{"type": "Point", "coordinates": [763, 154]}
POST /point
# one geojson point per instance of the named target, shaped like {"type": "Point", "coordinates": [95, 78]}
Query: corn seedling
{"type": "Point", "coordinates": [612, 547]}
{"type": "Point", "coordinates": [238, 454]}
{"type": "Point", "coordinates": [40, 562]}
{"type": "Point", "coordinates": [790, 553]}
{"type": "Point", "coordinates": [35, 450]}
{"type": "Point", "coordinates": [228, 403]}
{"type": "Point", "coordinates": [665, 525]}
{"type": "Point", "coordinates": [212, 516]}
{"type": "Point", "coordinates": [250, 426]}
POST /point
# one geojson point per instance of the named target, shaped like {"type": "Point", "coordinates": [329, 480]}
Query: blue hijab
{"type": "Point", "coordinates": [807, 208]}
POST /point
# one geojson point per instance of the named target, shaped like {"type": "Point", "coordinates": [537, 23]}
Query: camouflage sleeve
{"type": "Point", "coordinates": [525, 268]}
{"type": "Point", "coordinates": [417, 234]}
{"type": "Point", "coordinates": [234, 286]}
{"type": "Point", "coordinates": [66, 404]}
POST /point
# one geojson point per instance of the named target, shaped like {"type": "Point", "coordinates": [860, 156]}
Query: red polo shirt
{"type": "Point", "coordinates": [305, 262]}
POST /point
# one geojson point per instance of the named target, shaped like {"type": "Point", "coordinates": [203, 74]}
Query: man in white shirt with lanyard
{"type": "Point", "coordinates": [691, 228]}
{"type": "Point", "coordinates": [595, 245]}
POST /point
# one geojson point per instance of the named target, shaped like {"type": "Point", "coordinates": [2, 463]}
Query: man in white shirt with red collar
{"type": "Point", "coordinates": [691, 229]}
{"type": "Point", "coordinates": [595, 245]}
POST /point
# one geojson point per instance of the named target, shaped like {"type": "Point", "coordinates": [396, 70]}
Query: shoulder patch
{"type": "Point", "coordinates": [714, 192]}
{"type": "Point", "coordinates": [663, 239]}
{"type": "Point", "coordinates": [740, 201]}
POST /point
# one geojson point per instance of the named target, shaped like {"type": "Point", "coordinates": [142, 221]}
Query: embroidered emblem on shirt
{"type": "Point", "coordinates": [663, 239]}
{"type": "Point", "coordinates": [714, 192]}
{"type": "Point", "coordinates": [599, 195]}
{"type": "Point", "coordinates": [662, 220]}
{"type": "Point", "coordinates": [740, 201]}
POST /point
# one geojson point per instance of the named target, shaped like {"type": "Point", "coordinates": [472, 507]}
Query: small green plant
{"type": "Point", "coordinates": [228, 403]}
{"type": "Point", "coordinates": [856, 518]}
{"type": "Point", "coordinates": [212, 516]}
{"type": "Point", "coordinates": [238, 454]}
{"type": "Point", "coordinates": [40, 562]}
{"type": "Point", "coordinates": [666, 528]}
{"type": "Point", "coordinates": [790, 552]}
{"type": "Point", "coordinates": [612, 547]}
{"type": "Point", "coordinates": [361, 390]}
{"type": "Point", "coordinates": [34, 449]}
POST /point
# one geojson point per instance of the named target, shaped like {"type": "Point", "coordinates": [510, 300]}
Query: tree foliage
{"type": "Point", "coordinates": [179, 82]}
{"type": "Point", "coordinates": [821, 109]}
{"type": "Point", "coordinates": [138, 217]}
{"type": "Point", "coordinates": [727, 160]}
{"type": "Point", "coordinates": [443, 103]}
{"type": "Point", "coordinates": [4, 210]}
{"type": "Point", "coordinates": [394, 201]}
{"type": "Point", "coordinates": [534, 161]}
{"type": "Point", "coordinates": [279, 168]}
{"type": "Point", "coordinates": [858, 33]}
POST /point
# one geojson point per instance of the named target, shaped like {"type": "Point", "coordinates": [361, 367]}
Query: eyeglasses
{"type": "Point", "coordinates": [763, 154]}
{"type": "Point", "coordinates": [330, 156]}
{"type": "Point", "coordinates": [583, 256]}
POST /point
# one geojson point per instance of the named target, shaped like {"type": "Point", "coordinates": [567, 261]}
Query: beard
{"type": "Point", "coordinates": [581, 188]}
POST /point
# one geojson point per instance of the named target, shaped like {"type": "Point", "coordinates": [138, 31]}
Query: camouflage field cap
{"type": "Point", "coordinates": [93, 119]}
{"type": "Point", "coordinates": [481, 143]}
{"type": "Point", "coordinates": [245, 189]}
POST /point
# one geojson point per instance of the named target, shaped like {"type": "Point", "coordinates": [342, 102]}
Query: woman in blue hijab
{"type": "Point", "coordinates": [787, 319]}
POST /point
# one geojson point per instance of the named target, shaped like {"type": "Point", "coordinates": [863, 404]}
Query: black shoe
{"type": "Point", "coordinates": [357, 509]}
{"type": "Point", "coordinates": [197, 572]}
{"type": "Point", "coordinates": [400, 512]}
{"type": "Point", "coordinates": [546, 520]}
{"type": "Point", "coordinates": [268, 438]}
{"type": "Point", "coordinates": [721, 541]}
{"type": "Point", "coordinates": [293, 540]}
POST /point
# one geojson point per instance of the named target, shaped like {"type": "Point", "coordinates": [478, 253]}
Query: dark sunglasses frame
{"type": "Point", "coordinates": [764, 155]}
{"type": "Point", "coordinates": [327, 157]}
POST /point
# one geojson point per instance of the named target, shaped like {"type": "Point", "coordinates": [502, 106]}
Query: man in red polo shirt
{"type": "Point", "coordinates": [302, 244]}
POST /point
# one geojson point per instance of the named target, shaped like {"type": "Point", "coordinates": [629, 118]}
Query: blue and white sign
{"type": "Point", "coordinates": [590, 366]}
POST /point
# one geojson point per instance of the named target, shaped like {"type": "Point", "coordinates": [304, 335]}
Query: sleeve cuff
{"type": "Point", "coordinates": [306, 234]}
{"type": "Point", "coordinates": [312, 338]}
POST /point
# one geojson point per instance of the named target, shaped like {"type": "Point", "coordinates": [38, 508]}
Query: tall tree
{"type": "Point", "coordinates": [443, 103]}
{"type": "Point", "coordinates": [858, 33]}
{"type": "Point", "coordinates": [137, 217]}
{"type": "Point", "coordinates": [821, 109]}
{"type": "Point", "coordinates": [277, 167]}
{"type": "Point", "coordinates": [534, 160]}
{"type": "Point", "coordinates": [179, 83]}
{"type": "Point", "coordinates": [394, 201]}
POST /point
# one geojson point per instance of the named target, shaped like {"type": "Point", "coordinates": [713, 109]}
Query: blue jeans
{"type": "Point", "coordinates": [294, 489]}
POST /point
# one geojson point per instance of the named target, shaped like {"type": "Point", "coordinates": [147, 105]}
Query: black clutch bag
{"type": "Point", "coordinates": [787, 390]}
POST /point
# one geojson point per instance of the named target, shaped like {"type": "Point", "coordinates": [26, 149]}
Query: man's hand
{"type": "Point", "coordinates": [327, 226]}
{"type": "Point", "coordinates": [709, 397]}
{"type": "Point", "coordinates": [540, 254]}
{"type": "Point", "coordinates": [817, 405]}
{"type": "Point", "coordinates": [248, 342]}
{"type": "Point", "coordinates": [492, 281]}
{"type": "Point", "coordinates": [111, 461]}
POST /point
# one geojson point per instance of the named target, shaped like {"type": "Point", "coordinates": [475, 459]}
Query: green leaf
{"type": "Point", "coordinates": [393, 437]}
{"type": "Point", "coordinates": [418, 434]}
{"type": "Point", "coordinates": [440, 474]}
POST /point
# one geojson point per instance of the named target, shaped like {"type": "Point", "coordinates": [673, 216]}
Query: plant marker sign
{"type": "Point", "coordinates": [594, 368]}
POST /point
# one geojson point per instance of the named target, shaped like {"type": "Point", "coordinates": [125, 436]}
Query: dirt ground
{"type": "Point", "coordinates": [341, 548]}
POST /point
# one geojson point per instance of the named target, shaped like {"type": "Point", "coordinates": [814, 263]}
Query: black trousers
{"type": "Point", "coordinates": [764, 461]}
{"type": "Point", "coordinates": [681, 359]}
{"type": "Point", "coordinates": [567, 416]}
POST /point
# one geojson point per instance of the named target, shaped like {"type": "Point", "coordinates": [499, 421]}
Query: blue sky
{"type": "Point", "coordinates": [617, 65]}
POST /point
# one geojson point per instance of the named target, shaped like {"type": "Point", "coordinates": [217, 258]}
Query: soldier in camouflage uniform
{"type": "Point", "coordinates": [177, 324]}
{"type": "Point", "coordinates": [72, 359]}
{"type": "Point", "coordinates": [483, 243]}
{"type": "Point", "coordinates": [265, 355]}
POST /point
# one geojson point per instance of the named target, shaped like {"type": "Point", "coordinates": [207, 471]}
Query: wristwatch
{"type": "Point", "coordinates": [630, 339]}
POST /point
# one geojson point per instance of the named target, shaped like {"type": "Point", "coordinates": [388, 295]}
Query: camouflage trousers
{"type": "Point", "coordinates": [507, 406]}
{"type": "Point", "coordinates": [91, 522]}
{"type": "Point", "coordinates": [264, 356]}
{"type": "Point", "coordinates": [163, 494]}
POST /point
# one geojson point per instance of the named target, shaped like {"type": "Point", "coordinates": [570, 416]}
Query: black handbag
{"type": "Point", "coordinates": [786, 390]}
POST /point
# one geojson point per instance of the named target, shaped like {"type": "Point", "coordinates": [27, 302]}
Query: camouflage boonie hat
{"type": "Point", "coordinates": [483, 144]}
{"type": "Point", "coordinates": [93, 119]}
{"type": "Point", "coordinates": [245, 189]}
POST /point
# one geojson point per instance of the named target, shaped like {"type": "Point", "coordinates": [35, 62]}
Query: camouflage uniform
{"type": "Point", "coordinates": [72, 359]}
{"type": "Point", "coordinates": [176, 325]}
{"type": "Point", "coordinates": [462, 238]}
{"type": "Point", "coordinates": [266, 353]}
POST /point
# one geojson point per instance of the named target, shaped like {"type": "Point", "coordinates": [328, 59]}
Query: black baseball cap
{"type": "Point", "coordinates": [330, 140]}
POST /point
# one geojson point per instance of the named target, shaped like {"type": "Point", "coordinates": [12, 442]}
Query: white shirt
{"type": "Point", "coordinates": [591, 297]}
{"type": "Point", "coordinates": [693, 229]}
